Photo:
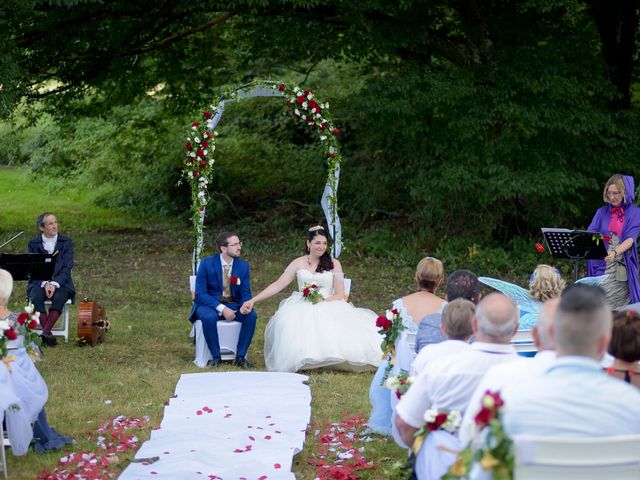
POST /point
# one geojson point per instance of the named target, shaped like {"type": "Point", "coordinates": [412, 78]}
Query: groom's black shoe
{"type": "Point", "coordinates": [214, 362]}
{"type": "Point", "coordinates": [242, 362]}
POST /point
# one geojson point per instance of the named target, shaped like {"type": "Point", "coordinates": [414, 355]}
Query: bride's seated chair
{"type": "Point", "coordinates": [228, 334]}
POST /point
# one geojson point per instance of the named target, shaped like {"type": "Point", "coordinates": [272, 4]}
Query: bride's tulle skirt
{"type": "Point", "coordinates": [302, 336]}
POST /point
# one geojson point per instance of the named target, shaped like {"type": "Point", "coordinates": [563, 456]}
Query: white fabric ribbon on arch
{"type": "Point", "coordinates": [333, 221]}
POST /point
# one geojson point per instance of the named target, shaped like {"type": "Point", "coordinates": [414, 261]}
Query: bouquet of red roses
{"type": "Point", "coordinates": [311, 292]}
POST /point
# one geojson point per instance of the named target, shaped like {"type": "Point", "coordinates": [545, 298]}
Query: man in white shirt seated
{"type": "Point", "coordinates": [574, 396]}
{"type": "Point", "coordinates": [448, 382]}
{"type": "Point", "coordinates": [517, 372]}
{"type": "Point", "coordinates": [456, 326]}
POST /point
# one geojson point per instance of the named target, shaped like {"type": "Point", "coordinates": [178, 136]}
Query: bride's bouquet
{"type": "Point", "coordinates": [311, 293]}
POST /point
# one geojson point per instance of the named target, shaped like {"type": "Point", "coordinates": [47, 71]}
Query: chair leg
{"type": "Point", "coordinates": [3, 455]}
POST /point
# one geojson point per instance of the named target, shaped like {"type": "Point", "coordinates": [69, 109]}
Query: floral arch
{"type": "Point", "coordinates": [201, 147]}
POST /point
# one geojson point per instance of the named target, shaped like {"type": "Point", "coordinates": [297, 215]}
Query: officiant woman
{"type": "Point", "coordinates": [619, 222]}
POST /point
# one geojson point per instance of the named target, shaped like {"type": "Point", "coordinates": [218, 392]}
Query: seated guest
{"type": "Point", "coordinates": [574, 396]}
{"type": "Point", "coordinates": [447, 383]}
{"type": "Point", "coordinates": [58, 289]}
{"type": "Point", "coordinates": [456, 326]}
{"type": "Point", "coordinates": [520, 370]}
{"type": "Point", "coordinates": [545, 283]}
{"type": "Point", "coordinates": [461, 284]}
{"type": "Point", "coordinates": [412, 307]}
{"type": "Point", "coordinates": [28, 384]}
{"type": "Point", "coordinates": [624, 346]}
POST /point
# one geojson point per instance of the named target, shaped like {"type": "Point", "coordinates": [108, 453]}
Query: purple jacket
{"type": "Point", "coordinates": [630, 229]}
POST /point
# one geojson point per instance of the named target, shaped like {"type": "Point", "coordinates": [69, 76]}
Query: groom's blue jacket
{"type": "Point", "coordinates": [209, 284]}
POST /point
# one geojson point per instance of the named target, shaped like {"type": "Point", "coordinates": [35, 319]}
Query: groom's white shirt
{"type": "Point", "coordinates": [220, 308]}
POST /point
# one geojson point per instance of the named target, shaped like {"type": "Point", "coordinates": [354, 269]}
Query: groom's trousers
{"type": "Point", "coordinates": [210, 317]}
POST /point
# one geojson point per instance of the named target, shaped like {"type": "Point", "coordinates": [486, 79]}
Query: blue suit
{"type": "Point", "coordinates": [209, 289]}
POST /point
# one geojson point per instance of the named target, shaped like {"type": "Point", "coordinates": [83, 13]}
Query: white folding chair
{"type": "Point", "coordinates": [5, 443]}
{"type": "Point", "coordinates": [523, 343]}
{"type": "Point", "coordinates": [228, 335]}
{"type": "Point", "coordinates": [573, 458]}
{"type": "Point", "coordinates": [61, 327]}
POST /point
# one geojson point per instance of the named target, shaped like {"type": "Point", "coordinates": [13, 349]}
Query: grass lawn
{"type": "Point", "coordinates": [139, 271]}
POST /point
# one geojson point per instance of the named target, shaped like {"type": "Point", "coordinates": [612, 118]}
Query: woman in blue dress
{"type": "Point", "coordinates": [412, 308]}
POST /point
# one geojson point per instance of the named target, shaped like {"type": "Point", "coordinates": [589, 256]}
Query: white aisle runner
{"type": "Point", "coordinates": [228, 426]}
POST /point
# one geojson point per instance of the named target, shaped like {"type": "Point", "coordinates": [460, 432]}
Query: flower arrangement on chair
{"type": "Point", "coordinates": [491, 450]}
{"type": "Point", "coordinates": [399, 384]}
{"type": "Point", "coordinates": [27, 322]}
{"type": "Point", "coordinates": [7, 333]}
{"type": "Point", "coordinates": [390, 326]}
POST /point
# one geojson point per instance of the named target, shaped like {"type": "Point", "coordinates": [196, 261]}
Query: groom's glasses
{"type": "Point", "coordinates": [237, 244]}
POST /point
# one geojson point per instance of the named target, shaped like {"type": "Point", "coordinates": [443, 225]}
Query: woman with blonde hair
{"type": "Point", "coordinates": [618, 222]}
{"type": "Point", "coordinates": [545, 283]}
{"type": "Point", "coordinates": [412, 308]}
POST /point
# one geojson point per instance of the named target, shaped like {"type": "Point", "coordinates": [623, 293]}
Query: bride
{"type": "Point", "coordinates": [303, 334]}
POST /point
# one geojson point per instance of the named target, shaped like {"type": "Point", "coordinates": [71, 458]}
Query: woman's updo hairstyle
{"type": "Point", "coordinates": [326, 263]}
{"type": "Point", "coordinates": [429, 273]}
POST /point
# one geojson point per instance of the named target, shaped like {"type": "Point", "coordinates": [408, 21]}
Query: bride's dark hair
{"type": "Point", "coordinates": [326, 263]}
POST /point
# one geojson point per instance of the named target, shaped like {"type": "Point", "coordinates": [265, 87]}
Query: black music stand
{"type": "Point", "coordinates": [575, 245]}
{"type": "Point", "coordinates": [29, 266]}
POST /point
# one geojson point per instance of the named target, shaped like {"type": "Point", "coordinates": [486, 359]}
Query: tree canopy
{"type": "Point", "coordinates": [485, 117]}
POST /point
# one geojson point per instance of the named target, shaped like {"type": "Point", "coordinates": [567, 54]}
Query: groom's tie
{"type": "Point", "coordinates": [226, 286]}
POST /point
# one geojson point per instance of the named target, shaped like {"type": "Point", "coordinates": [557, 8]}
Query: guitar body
{"type": "Point", "coordinates": [92, 322]}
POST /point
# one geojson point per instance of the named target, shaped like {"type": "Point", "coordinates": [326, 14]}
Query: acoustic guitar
{"type": "Point", "coordinates": [92, 323]}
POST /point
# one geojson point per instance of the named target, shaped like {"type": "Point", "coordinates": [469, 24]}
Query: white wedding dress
{"type": "Point", "coordinates": [302, 335]}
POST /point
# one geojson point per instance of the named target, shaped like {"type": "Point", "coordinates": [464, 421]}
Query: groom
{"type": "Point", "coordinates": [222, 285]}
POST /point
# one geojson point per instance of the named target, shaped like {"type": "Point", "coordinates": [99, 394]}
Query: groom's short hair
{"type": "Point", "coordinates": [222, 240]}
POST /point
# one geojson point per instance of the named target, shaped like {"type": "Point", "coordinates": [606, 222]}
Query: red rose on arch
{"type": "Point", "coordinates": [323, 126]}
{"type": "Point", "coordinates": [200, 153]}
{"type": "Point", "coordinates": [300, 99]}
{"type": "Point", "coordinates": [539, 247]}
{"type": "Point", "coordinates": [189, 146]}
{"type": "Point", "coordinates": [332, 154]}
{"type": "Point", "coordinates": [335, 132]}
{"type": "Point", "coordinates": [206, 135]}
{"type": "Point", "coordinates": [282, 87]}
{"type": "Point", "coordinates": [196, 173]}
{"type": "Point", "coordinates": [22, 318]}
{"type": "Point", "coordinates": [206, 115]}
{"type": "Point", "coordinates": [203, 163]}
{"type": "Point", "coordinates": [195, 124]}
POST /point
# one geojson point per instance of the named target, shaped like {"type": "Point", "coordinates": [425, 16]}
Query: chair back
{"type": "Point", "coordinates": [347, 288]}
{"type": "Point", "coordinates": [585, 458]}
